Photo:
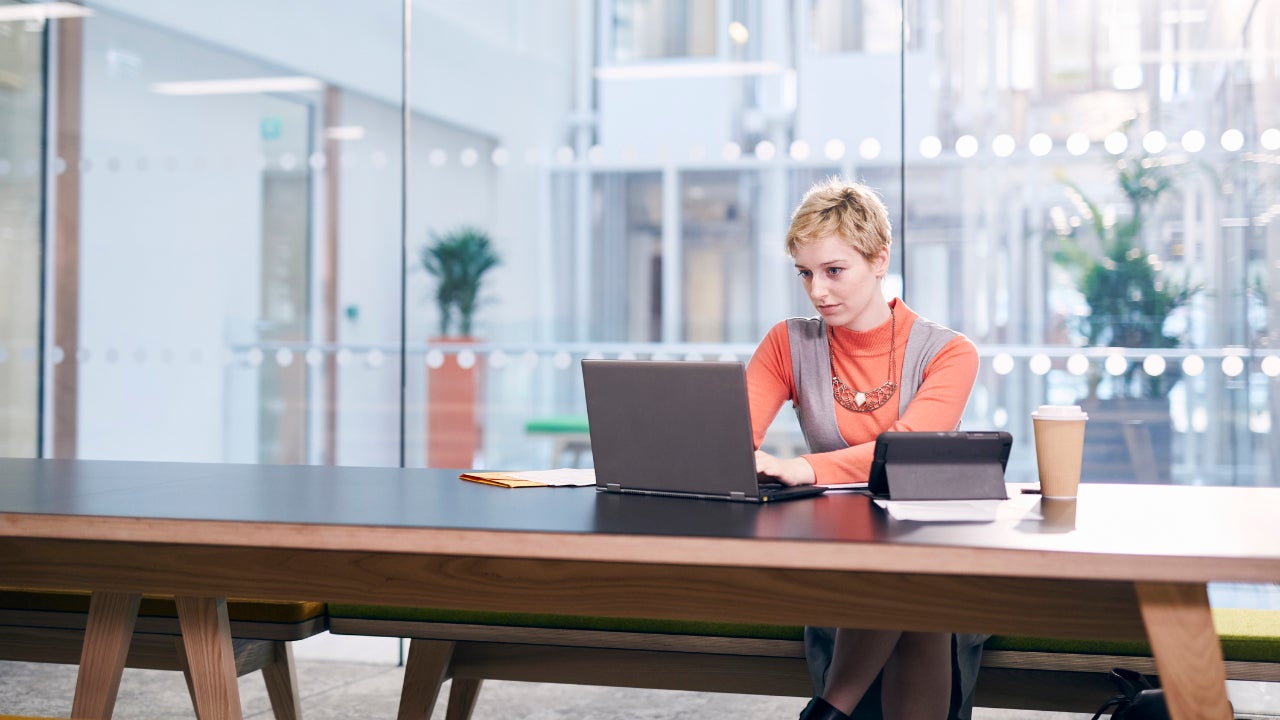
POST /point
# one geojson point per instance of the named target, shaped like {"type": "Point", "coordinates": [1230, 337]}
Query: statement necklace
{"type": "Point", "coordinates": [858, 400]}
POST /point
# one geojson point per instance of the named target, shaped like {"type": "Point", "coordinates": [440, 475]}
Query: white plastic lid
{"type": "Point", "coordinates": [1059, 412]}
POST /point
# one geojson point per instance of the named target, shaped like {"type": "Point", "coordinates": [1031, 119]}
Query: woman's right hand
{"type": "Point", "coordinates": [796, 471]}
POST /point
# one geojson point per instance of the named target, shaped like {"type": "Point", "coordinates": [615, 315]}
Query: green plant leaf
{"type": "Point", "coordinates": [459, 260]}
{"type": "Point", "coordinates": [1129, 299]}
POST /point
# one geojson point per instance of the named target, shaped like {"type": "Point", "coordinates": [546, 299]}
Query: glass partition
{"type": "Point", "coordinates": [22, 175]}
{"type": "Point", "coordinates": [1096, 212]}
{"type": "Point", "coordinates": [228, 247]}
{"type": "Point", "coordinates": [225, 217]}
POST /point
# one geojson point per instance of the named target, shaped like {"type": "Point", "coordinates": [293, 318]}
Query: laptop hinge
{"type": "Point", "coordinates": [613, 487]}
{"type": "Point", "coordinates": [735, 495]}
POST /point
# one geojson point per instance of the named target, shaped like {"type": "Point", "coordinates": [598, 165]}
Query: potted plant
{"type": "Point", "coordinates": [1131, 299]}
{"type": "Point", "coordinates": [458, 260]}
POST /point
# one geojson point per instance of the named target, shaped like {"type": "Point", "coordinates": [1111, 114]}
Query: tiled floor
{"type": "Point", "coordinates": [333, 690]}
{"type": "Point", "coordinates": [357, 677]}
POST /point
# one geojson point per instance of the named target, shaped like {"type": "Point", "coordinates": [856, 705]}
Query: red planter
{"type": "Point", "coordinates": [453, 396]}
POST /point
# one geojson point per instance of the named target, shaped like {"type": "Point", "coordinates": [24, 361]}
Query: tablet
{"type": "Point", "coordinates": [960, 465]}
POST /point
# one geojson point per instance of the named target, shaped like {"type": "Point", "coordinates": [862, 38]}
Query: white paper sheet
{"type": "Point", "coordinates": [846, 487]}
{"type": "Point", "coordinates": [560, 477]}
{"type": "Point", "coordinates": [944, 510]}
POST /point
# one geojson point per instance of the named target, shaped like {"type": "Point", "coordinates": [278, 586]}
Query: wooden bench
{"type": "Point", "coordinates": [470, 647]}
{"type": "Point", "coordinates": [48, 626]}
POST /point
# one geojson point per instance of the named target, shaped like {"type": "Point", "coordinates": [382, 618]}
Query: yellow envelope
{"type": "Point", "coordinates": [559, 477]}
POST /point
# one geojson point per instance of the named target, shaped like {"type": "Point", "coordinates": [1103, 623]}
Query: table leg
{"type": "Point", "coordinates": [206, 633]}
{"type": "Point", "coordinates": [282, 683]}
{"type": "Point", "coordinates": [107, 634]}
{"type": "Point", "coordinates": [424, 672]}
{"type": "Point", "coordinates": [1186, 649]}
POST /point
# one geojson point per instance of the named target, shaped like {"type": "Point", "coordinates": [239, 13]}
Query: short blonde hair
{"type": "Point", "coordinates": [850, 211]}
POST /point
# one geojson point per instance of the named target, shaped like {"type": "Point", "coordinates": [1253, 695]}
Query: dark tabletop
{"type": "Point", "coordinates": [1122, 519]}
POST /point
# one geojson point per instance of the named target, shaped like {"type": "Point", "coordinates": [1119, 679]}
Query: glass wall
{"type": "Point", "coordinates": [221, 227]}
{"type": "Point", "coordinates": [22, 82]}
{"type": "Point", "coordinates": [217, 225]}
{"type": "Point", "coordinates": [1096, 210]}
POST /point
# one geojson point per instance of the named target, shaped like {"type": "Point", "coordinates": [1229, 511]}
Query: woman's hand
{"type": "Point", "coordinates": [796, 471]}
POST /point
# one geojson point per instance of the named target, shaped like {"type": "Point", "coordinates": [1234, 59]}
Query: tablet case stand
{"type": "Point", "coordinates": [965, 481]}
{"type": "Point", "coordinates": [958, 465]}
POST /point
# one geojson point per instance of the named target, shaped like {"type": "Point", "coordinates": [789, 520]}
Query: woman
{"type": "Point", "coordinates": [864, 366]}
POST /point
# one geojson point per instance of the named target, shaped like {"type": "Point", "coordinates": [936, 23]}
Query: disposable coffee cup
{"type": "Point", "coordinates": [1059, 433]}
{"type": "Point", "coordinates": [1059, 514]}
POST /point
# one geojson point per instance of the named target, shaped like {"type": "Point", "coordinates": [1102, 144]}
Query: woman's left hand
{"type": "Point", "coordinates": [796, 471]}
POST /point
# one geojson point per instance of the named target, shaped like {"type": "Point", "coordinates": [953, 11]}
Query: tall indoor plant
{"type": "Point", "coordinates": [1130, 298]}
{"type": "Point", "coordinates": [458, 260]}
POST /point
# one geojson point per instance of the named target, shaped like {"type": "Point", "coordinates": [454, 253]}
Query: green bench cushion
{"type": "Point", "coordinates": [565, 622]}
{"type": "Point", "coordinates": [240, 610]}
{"type": "Point", "coordinates": [1247, 636]}
{"type": "Point", "coordinates": [558, 425]}
{"type": "Point", "coordinates": [1067, 645]}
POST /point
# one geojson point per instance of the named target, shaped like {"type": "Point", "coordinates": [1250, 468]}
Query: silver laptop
{"type": "Point", "coordinates": [675, 428]}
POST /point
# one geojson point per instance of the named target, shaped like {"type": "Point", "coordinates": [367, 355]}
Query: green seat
{"type": "Point", "coordinates": [558, 425]}
{"type": "Point", "coordinates": [472, 646]}
{"type": "Point", "coordinates": [569, 435]}
{"type": "Point", "coordinates": [1247, 636]}
{"type": "Point", "coordinates": [565, 622]}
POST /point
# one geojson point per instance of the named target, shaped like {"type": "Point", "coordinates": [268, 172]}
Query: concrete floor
{"type": "Point", "coordinates": [333, 690]}
{"type": "Point", "coordinates": [358, 677]}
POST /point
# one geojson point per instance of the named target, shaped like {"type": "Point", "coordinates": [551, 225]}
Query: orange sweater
{"type": "Point", "coordinates": [862, 362]}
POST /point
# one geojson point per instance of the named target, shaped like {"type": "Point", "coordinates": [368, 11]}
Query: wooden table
{"type": "Point", "coordinates": [1127, 562]}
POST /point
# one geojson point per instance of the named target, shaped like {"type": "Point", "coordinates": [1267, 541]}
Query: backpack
{"type": "Point", "coordinates": [1138, 699]}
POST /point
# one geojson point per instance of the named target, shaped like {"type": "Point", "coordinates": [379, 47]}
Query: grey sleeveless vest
{"type": "Point", "coordinates": [811, 374]}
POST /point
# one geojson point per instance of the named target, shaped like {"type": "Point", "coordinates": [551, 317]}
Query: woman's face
{"type": "Point", "coordinates": [842, 284]}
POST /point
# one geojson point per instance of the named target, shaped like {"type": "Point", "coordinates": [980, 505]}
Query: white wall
{"type": "Point", "coordinates": [510, 84]}
{"type": "Point", "coordinates": [170, 225]}
{"type": "Point", "coordinates": [497, 71]}
{"type": "Point", "coordinates": [630, 125]}
{"type": "Point", "coordinates": [835, 90]}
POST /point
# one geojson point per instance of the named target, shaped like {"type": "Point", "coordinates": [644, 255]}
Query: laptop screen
{"type": "Point", "coordinates": [682, 427]}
